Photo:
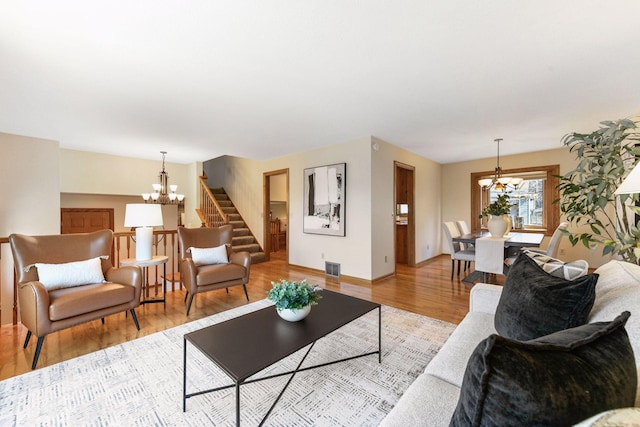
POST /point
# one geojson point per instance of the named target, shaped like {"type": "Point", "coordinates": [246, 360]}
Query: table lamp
{"type": "Point", "coordinates": [631, 183]}
{"type": "Point", "coordinates": [143, 217]}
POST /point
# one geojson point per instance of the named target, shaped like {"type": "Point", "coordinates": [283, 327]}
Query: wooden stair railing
{"type": "Point", "coordinates": [210, 212]}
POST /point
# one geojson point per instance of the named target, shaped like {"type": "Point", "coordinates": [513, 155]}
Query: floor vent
{"type": "Point", "coordinates": [332, 269]}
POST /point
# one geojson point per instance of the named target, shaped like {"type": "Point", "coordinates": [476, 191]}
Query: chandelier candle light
{"type": "Point", "coordinates": [501, 183]}
{"type": "Point", "coordinates": [160, 193]}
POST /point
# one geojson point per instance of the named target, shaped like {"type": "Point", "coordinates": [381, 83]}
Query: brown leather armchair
{"type": "Point", "coordinates": [203, 278]}
{"type": "Point", "coordinates": [45, 311]}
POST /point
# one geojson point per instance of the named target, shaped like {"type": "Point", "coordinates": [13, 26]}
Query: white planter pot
{"type": "Point", "coordinates": [498, 225]}
{"type": "Point", "coordinates": [294, 315]}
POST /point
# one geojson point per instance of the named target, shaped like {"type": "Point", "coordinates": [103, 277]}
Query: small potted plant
{"type": "Point", "coordinates": [293, 300]}
{"type": "Point", "coordinates": [498, 213]}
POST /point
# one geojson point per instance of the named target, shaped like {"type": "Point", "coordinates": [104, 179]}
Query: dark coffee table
{"type": "Point", "coordinates": [246, 345]}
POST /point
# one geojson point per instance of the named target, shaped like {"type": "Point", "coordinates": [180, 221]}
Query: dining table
{"type": "Point", "coordinates": [513, 242]}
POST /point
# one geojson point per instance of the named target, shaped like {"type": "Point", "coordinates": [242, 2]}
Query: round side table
{"type": "Point", "coordinates": [144, 265]}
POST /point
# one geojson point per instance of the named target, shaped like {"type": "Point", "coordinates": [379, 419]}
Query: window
{"type": "Point", "coordinates": [533, 199]}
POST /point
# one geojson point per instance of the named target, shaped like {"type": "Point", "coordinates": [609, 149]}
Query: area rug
{"type": "Point", "coordinates": [139, 383]}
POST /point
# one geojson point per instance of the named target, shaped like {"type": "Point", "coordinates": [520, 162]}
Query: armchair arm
{"type": "Point", "coordinates": [188, 272]}
{"type": "Point", "coordinates": [244, 259]}
{"type": "Point", "coordinates": [34, 307]}
{"type": "Point", "coordinates": [484, 298]}
{"type": "Point", "coordinates": [129, 275]}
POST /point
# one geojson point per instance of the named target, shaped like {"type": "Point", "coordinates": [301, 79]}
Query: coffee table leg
{"type": "Point", "coordinates": [380, 334]}
{"type": "Point", "coordinates": [184, 377]}
{"type": "Point", "coordinates": [238, 404]}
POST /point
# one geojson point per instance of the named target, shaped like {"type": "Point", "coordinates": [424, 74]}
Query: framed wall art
{"type": "Point", "coordinates": [324, 199]}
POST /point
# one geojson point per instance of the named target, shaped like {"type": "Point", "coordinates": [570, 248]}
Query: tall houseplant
{"type": "Point", "coordinates": [605, 156]}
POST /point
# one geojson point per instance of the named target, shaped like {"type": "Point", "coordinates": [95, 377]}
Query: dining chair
{"type": "Point", "coordinates": [457, 253]}
{"type": "Point", "coordinates": [463, 228]}
{"type": "Point", "coordinates": [552, 248]}
{"type": "Point", "coordinates": [554, 243]}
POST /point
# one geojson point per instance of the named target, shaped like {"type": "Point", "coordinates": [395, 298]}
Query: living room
{"type": "Point", "coordinates": [520, 74]}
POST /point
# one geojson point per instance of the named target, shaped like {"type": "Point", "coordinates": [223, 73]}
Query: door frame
{"type": "Point", "coordinates": [266, 196]}
{"type": "Point", "coordinates": [411, 223]}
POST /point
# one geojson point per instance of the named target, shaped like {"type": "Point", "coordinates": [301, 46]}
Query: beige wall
{"type": "Point", "coordinates": [456, 193]}
{"type": "Point", "coordinates": [30, 194]}
{"type": "Point", "coordinates": [82, 172]}
{"type": "Point", "coordinates": [369, 204]}
{"type": "Point", "coordinates": [242, 179]}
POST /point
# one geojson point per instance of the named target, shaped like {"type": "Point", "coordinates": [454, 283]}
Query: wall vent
{"type": "Point", "coordinates": [332, 269]}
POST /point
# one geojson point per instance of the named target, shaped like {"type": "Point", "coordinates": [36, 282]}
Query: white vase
{"type": "Point", "coordinates": [294, 315]}
{"type": "Point", "coordinates": [498, 225]}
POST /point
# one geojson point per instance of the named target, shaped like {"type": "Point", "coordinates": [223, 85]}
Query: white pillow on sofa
{"type": "Point", "coordinates": [69, 274]}
{"type": "Point", "coordinates": [208, 256]}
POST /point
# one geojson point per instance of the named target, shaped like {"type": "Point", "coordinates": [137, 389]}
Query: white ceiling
{"type": "Point", "coordinates": [263, 79]}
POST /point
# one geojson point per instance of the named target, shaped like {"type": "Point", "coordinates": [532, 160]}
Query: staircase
{"type": "Point", "coordinates": [243, 239]}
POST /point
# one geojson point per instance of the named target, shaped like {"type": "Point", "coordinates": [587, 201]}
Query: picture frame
{"type": "Point", "coordinates": [325, 199]}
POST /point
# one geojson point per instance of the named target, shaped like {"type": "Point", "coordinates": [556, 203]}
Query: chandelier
{"type": "Point", "coordinates": [499, 182]}
{"type": "Point", "coordinates": [163, 193]}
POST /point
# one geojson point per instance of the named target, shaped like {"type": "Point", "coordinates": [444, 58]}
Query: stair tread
{"type": "Point", "coordinates": [243, 240]}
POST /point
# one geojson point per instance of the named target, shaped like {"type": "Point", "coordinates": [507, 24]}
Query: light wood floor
{"type": "Point", "coordinates": [427, 290]}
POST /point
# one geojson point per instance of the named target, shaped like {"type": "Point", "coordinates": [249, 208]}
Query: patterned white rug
{"type": "Point", "coordinates": [139, 383]}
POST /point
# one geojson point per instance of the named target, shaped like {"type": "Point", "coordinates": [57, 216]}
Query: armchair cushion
{"type": "Point", "coordinates": [70, 274]}
{"type": "Point", "coordinates": [219, 273]}
{"type": "Point", "coordinates": [208, 256]}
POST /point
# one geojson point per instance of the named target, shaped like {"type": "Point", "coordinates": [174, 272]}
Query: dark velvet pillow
{"type": "Point", "coordinates": [534, 303]}
{"type": "Point", "coordinates": [556, 380]}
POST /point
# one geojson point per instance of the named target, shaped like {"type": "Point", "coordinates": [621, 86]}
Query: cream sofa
{"type": "Point", "coordinates": [433, 396]}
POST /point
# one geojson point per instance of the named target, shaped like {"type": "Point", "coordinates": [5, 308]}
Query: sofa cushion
{"type": "Point", "coordinates": [559, 379]}
{"type": "Point", "coordinates": [618, 290]}
{"type": "Point", "coordinates": [429, 401]}
{"type": "Point", "coordinates": [69, 274]}
{"type": "Point", "coordinates": [558, 268]}
{"type": "Point", "coordinates": [451, 360]}
{"type": "Point", "coordinates": [534, 303]}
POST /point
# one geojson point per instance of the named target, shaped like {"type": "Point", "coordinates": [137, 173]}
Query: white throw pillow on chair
{"type": "Point", "coordinates": [208, 256]}
{"type": "Point", "coordinates": [70, 274]}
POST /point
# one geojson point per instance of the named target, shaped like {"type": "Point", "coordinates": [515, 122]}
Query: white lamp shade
{"type": "Point", "coordinates": [143, 215]}
{"type": "Point", "coordinates": [485, 182]}
{"type": "Point", "coordinates": [631, 183]}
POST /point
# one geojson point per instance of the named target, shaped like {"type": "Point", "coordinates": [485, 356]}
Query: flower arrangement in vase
{"type": "Point", "coordinates": [293, 300]}
{"type": "Point", "coordinates": [498, 212]}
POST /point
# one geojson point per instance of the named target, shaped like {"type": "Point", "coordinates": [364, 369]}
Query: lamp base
{"type": "Point", "coordinates": [144, 243]}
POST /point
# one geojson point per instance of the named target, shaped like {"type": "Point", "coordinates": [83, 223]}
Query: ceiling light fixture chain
{"type": "Point", "coordinates": [499, 182]}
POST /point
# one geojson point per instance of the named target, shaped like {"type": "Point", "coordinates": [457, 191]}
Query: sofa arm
{"type": "Point", "coordinates": [484, 298]}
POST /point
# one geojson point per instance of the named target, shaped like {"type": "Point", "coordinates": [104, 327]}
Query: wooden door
{"type": "Point", "coordinates": [85, 220]}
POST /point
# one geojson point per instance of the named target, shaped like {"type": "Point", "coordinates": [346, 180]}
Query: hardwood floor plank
{"type": "Point", "coordinates": [426, 290]}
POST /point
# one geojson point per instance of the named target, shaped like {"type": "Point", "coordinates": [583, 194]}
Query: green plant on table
{"type": "Point", "coordinates": [605, 157]}
{"type": "Point", "coordinates": [500, 207]}
{"type": "Point", "coordinates": [293, 295]}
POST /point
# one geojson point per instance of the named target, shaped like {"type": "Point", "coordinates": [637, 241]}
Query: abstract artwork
{"type": "Point", "coordinates": [324, 199]}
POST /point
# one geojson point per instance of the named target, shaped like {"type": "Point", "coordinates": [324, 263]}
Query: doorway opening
{"type": "Point", "coordinates": [405, 228]}
{"type": "Point", "coordinates": [276, 214]}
